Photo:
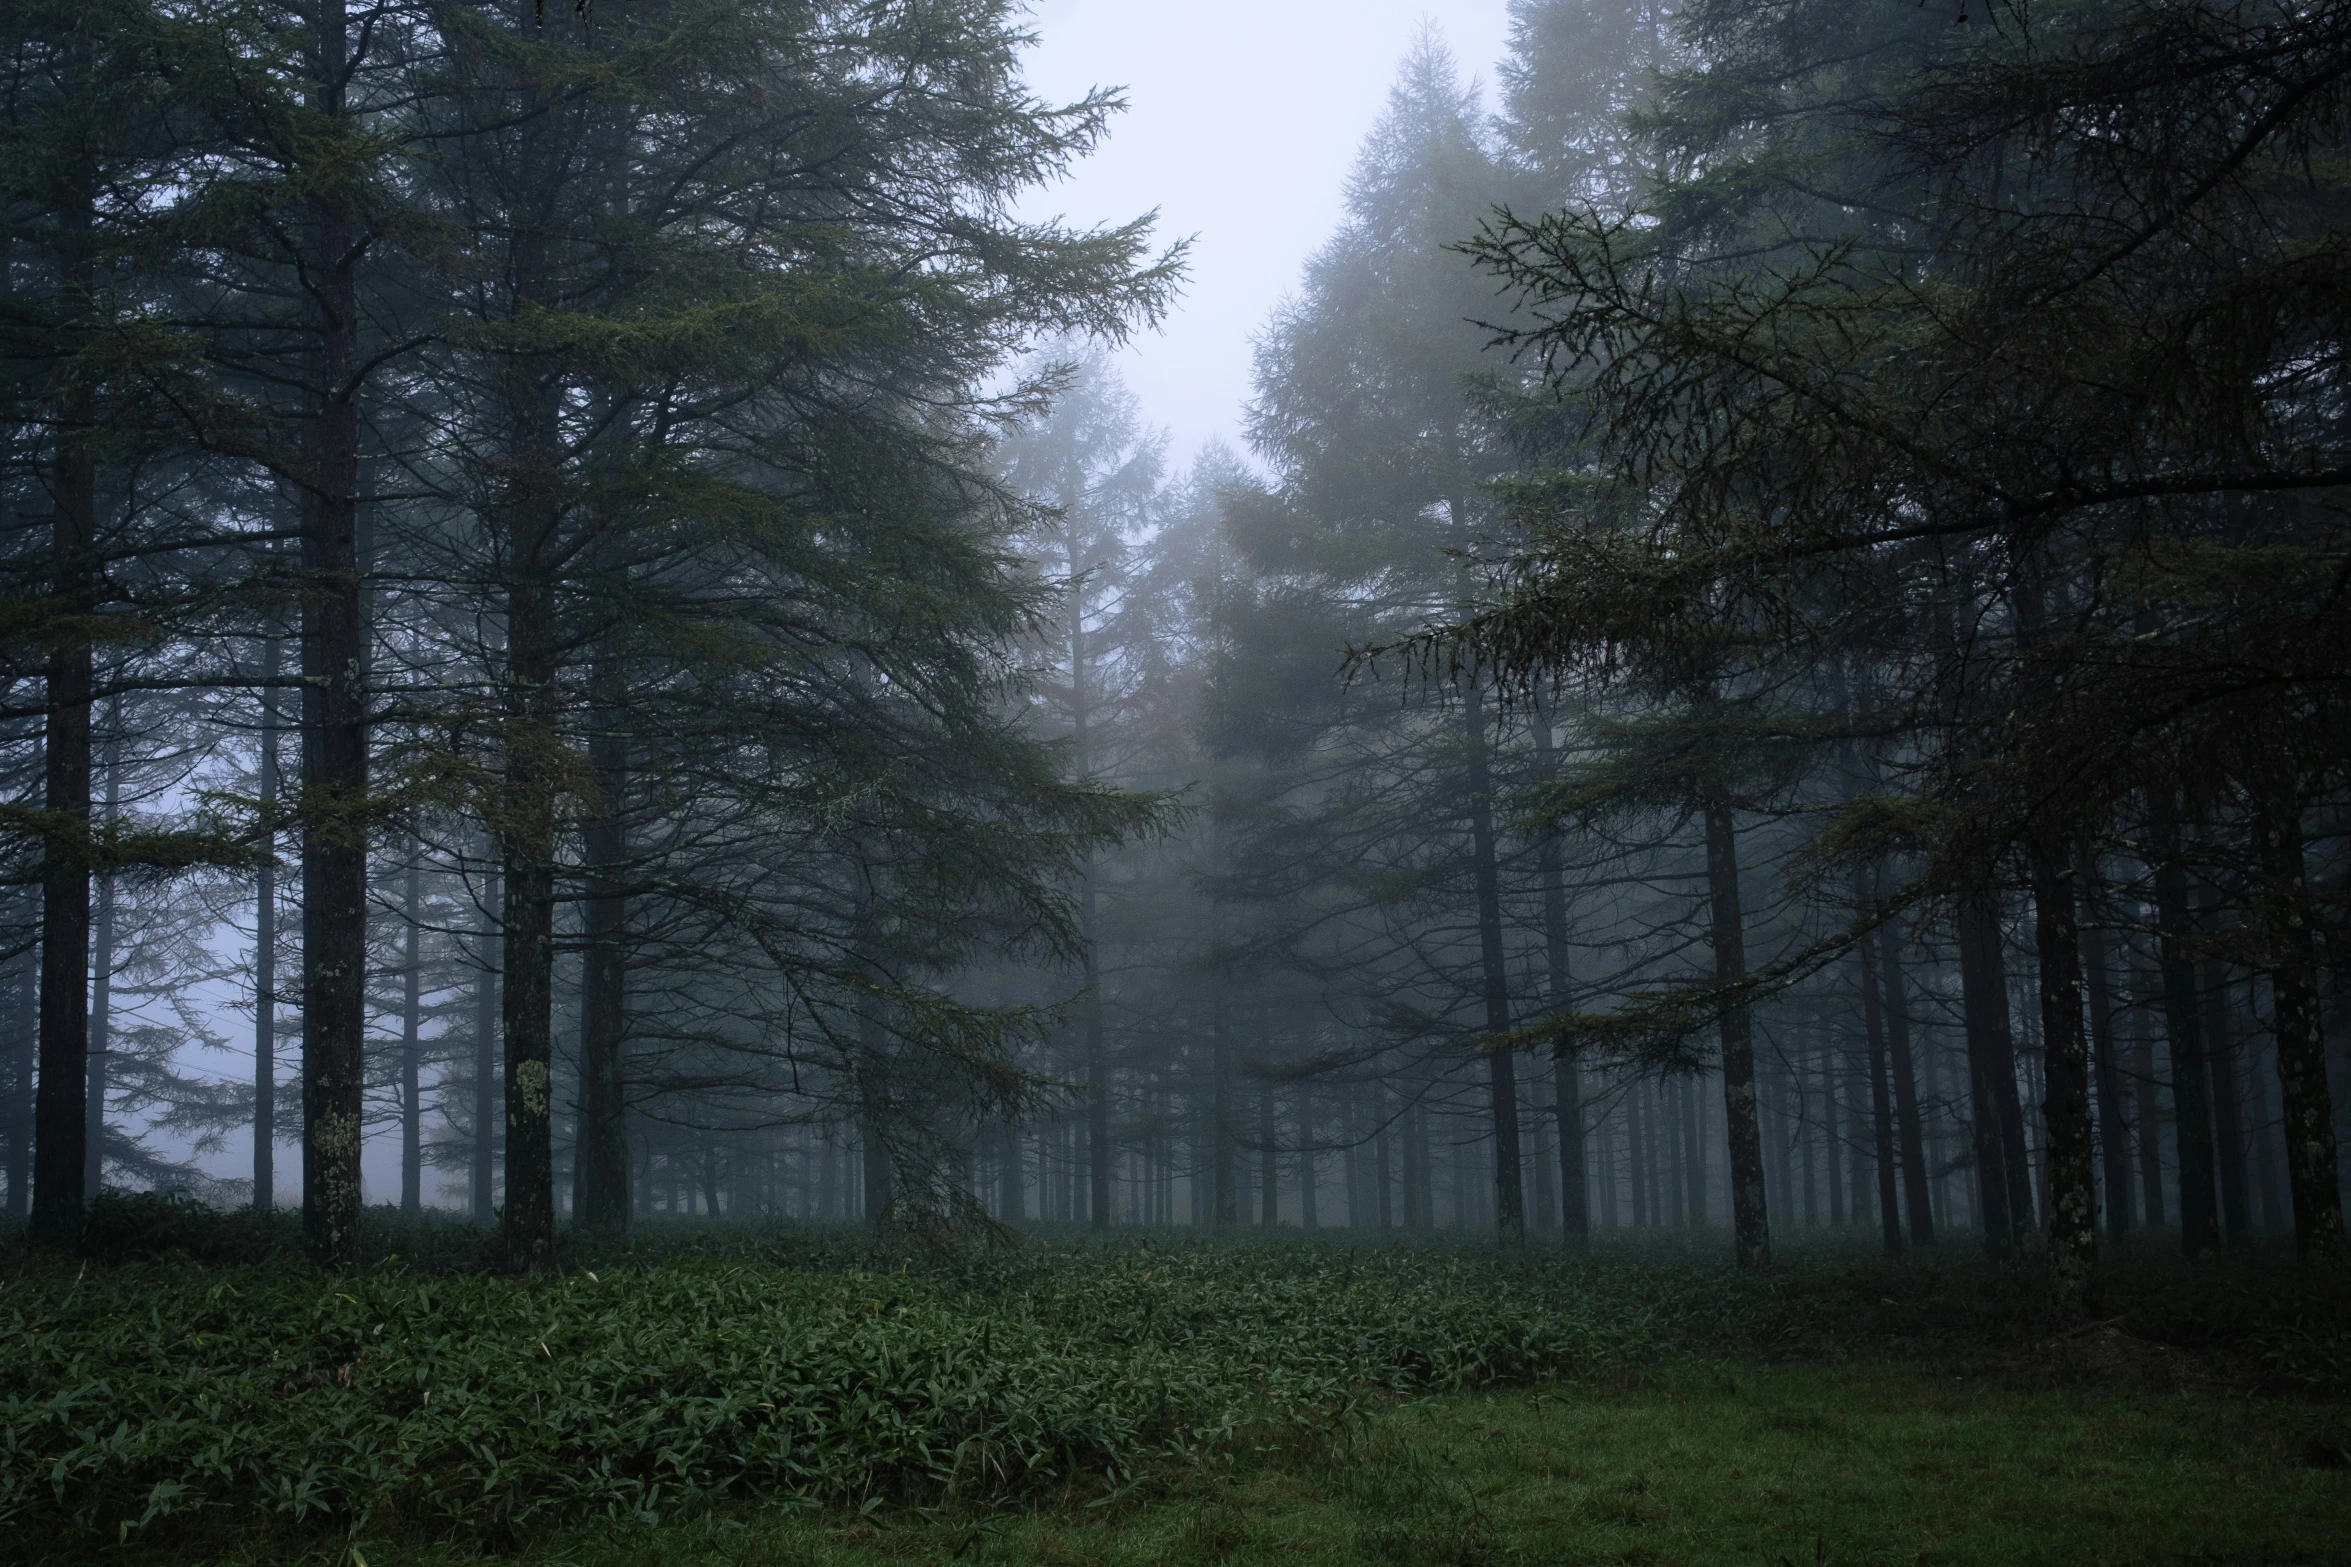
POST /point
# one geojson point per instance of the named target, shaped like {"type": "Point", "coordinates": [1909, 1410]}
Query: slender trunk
{"type": "Point", "coordinates": [1098, 1149]}
{"type": "Point", "coordinates": [1750, 1218]}
{"type": "Point", "coordinates": [881, 1184]}
{"type": "Point", "coordinates": [1269, 1176]}
{"type": "Point", "coordinates": [1636, 1145]}
{"type": "Point", "coordinates": [102, 959]}
{"type": "Point", "coordinates": [486, 1052]}
{"type": "Point", "coordinates": [411, 1032]}
{"type": "Point", "coordinates": [1501, 1065]}
{"type": "Point", "coordinates": [2190, 1076]}
{"type": "Point", "coordinates": [2149, 1105]}
{"type": "Point", "coordinates": [1880, 1094]}
{"type": "Point", "coordinates": [603, 1159]}
{"type": "Point", "coordinates": [1380, 1158]}
{"type": "Point", "coordinates": [2309, 1123]}
{"type": "Point", "coordinates": [2001, 1198]}
{"type": "Point", "coordinates": [1309, 1216]}
{"type": "Point", "coordinates": [2220, 1056]}
{"type": "Point", "coordinates": [265, 945]}
{"type": "Point", "coordinates": [24, 1032]}
{"type": "Point", "coordinates": [2065, 1080]}
{"type": "Point", "coordinates": [527, 849]}
{"type": "Point", "coordinates": [1224, 1152]}
{"type": "Point", "coordinates": [2105, 1068]}
{"type": "Point", "coordinates": [1574, 1202]}
{"type": "Point", "coordinates": [1894, 983]}
{"type": "Point", "coordinates": [60, 1097]}
{"type": "Point", "coordinates": [1417, 1199]}
{"type": "Point", "coordinates": [1013, 1199]}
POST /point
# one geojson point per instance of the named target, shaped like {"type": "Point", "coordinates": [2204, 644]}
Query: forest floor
{"type": "Point", "coordinates": [740, 1398]}
{"type": "Point", "coordinates": [1731, 1464]}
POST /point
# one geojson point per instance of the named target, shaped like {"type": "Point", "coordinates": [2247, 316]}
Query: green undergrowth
{"type": "Point", "coordinates": [179, 1390]}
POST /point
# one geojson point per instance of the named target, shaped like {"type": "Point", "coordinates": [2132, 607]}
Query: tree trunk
{"type": "Point", "coordinates": [1269, 1193]}
{"type": "Point", "coordinates": [2149, 1105]}
{"type": "Point", "coordinates": [602, 1201]}
{"type": "Point", "coordinates": [2065, 1078]}
{"type": "Point", "coordinates": [1224, 1151]}
{"type": "Point", "coordinates": [1880, 1095]}
{"type": "Point", "coordinates": [2190, 1076]}
{"type": "Point", "coordinates": [527, 849]}
{"type": "Point", "coordinates": [1750, 1217]}
{"type": "Point", "coordinates": [486, 1052]}
{"type": "Point", "coordinates": [880, 1173]}
{"type": "Point", "coordinates": [2003, 1200]}
{"type": "Point", "coordinates": [2312, 1175]}
{"type": "Point", "coordinates": [334, 735]}
{"type": "Point", "coordinates": [265, 945]}
{"type": "Point", "coordinates": [1895, 999]}
{"type": "Point", "coordinates": [1309, 1216]}
{"type": "Point", "coordinates": [1501, 1065]}
{"type": "Point", "coordinates": [102, 960]}
{"type": "Point", "coordinates": [1575, 1204]}
{"type": "Point", "coordinates": [411, 1026]}
{"type": "Point", "coordinates": [2106, 1070]}
{"type": "Point", "coordinates": [24, 1032]}
{"type": "Point", "coordinates": [2220, 1056]}
{"type": "Point", "coordinates": [60, 1097]}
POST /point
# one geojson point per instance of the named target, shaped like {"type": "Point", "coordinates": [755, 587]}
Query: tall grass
{"type": "Point", "coordinates": [817, 1369]}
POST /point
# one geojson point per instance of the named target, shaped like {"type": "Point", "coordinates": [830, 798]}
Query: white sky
{"type": "Point", "coordinates": [1243, 119]}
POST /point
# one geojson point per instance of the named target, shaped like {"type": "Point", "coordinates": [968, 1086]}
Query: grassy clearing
{"type": "Point", "coordinates": [809, 1395]}
{"type": "Point", "coordinates": [1737, 1464]}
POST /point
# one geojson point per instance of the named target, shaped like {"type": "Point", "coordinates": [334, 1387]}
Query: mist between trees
{"type": "Point", "coordinates": [1779, 661]}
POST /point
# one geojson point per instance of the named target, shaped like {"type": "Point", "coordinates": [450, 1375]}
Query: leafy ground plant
{"type": "Point", "coordinates": [674, 1384]}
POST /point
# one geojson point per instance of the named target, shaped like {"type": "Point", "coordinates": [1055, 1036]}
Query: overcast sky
{"type": "Point", "coordinates": [1243, 118]}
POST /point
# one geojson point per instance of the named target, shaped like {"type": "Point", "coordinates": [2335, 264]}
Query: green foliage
{"type": "Point", "coordinates": [662, 1377]}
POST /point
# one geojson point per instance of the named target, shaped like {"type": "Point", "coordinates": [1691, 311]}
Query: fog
{"type": "Point", "coordinates": [1242, 122]}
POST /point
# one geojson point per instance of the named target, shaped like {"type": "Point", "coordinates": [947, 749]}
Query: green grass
{"type": "Point", "coordinates": [1721, 1464]}
{"type": "Point", "coordinates": [740, 1396]}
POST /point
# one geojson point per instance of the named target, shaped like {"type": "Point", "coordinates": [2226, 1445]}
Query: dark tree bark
{"type": "Point", "coordinates": [1309, 1216]}
{"type": "Point", "coordinates": [1873, 1027]}
{"type": "Point", "coordinates": [1501, 1065]}
{"type": "Point", "coordinates": [2105, 1067]}
{"type": "Point", "coordinates": [1895, 999]}
{"type": "Point", "coordinates": [265, 945]}
{"type": "Point", "coordinates": [1575, 1206]}
{"type": "Point", "coordinates": [334, 810]}
{"type": "Point", "coordinates": [1098, 1149]}
{"type": "Point", "coordinates": [2065, 1097]}
{"type": "Point", "coordinates": [1269, 1175]}
{"type": "Point", "coordinates": [24, 1033]}
{"type": "Point", "coordinates": [411, 1027]}
{"type": "Point", "coordinates": [60, 1113]}
{"type": "Point", "coordinates": [1224, 1152]}
{"type": "Point", "coordinates": [2149, 1107]}
{"type": "Point", "coordinates": [2190, 1075]}
{"type": "Point", "coordinates": [602, 1187]}
{"type": "Point", "coordinates": [102, 960]}
{"type": "Point", "coordinates": [2220, 1057]}
{"type": "Point", "coordinates": [1750, 1217]}
{"type": "Point", "coordinates": [1382, 1175]}
{"type": "Point", "coordinates": [880, 1173]}
{"type": "Point", "coordinates": [2004, 1197]}
{"type": "Point", "coordinates": [485, 1054]}
{"type": "Point", "coordinates": [2312, 1174]}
